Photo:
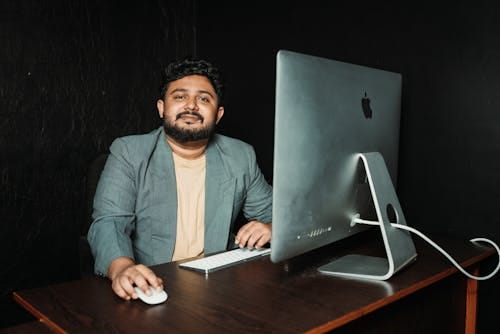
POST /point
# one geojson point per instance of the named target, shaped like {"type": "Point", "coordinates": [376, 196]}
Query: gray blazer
{"type": "Point", "coordinates": [135, 205]}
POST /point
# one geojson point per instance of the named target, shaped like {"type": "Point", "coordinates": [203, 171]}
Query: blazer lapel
{"type": "Point", "coordinates": [219, 196]}
{"type": "Point", "coordinates": [163, 170]}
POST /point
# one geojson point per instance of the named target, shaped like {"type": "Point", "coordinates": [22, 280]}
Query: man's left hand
{"type": "Point", "coordinates": [254, 234]}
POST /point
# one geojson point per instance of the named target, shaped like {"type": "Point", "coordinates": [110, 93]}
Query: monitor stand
{"type": "Point", "coordinates": [398, 243]}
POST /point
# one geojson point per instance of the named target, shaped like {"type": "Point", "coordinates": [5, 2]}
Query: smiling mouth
{"type": "Point", "coordinates": [189, 117]}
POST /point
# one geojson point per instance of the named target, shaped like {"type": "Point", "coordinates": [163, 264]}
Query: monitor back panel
{"type": "Point", "coordinates": [326, 112]}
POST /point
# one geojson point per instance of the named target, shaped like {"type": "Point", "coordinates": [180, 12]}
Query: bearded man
{"type": "Point", "coordinates": [176, 192]}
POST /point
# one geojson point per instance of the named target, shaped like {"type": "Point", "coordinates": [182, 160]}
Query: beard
{"type": "Point", "coordinates": [184, 135]}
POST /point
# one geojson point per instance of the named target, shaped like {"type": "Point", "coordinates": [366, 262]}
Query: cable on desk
{"type": "Point", "coordinates": [441, 250]}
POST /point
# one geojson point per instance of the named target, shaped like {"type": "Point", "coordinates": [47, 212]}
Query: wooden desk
{"type": "Point", "coordinates": [32, 327]}
{"type": "Point", "coordinates": [430, 296]}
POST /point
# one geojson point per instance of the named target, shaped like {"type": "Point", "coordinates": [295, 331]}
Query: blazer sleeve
{"type": "Point", "coordinates": [258, 199]}
{"type": "Point", "coordinates": [113, 214]}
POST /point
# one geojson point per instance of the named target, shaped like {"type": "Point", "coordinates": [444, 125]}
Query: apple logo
{"type": "Point", "coordinates": [365, 104]}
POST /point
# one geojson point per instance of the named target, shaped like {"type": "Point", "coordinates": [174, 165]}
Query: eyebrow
{"type": "Point", "coordinates": [183, 90]}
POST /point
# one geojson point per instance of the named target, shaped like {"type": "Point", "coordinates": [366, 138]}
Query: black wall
{"type": "Point", "coordinates": [76, 74]}
{"type": "Point", "coordinates": [448, 53]}
{"type": "Point", "coordinates": [73, 76]}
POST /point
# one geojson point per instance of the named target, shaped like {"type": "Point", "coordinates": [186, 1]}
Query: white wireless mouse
{"type": "Point", "coordinates": [156, 297]}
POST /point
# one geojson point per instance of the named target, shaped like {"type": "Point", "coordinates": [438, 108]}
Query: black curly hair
{"type": "Point", "coordinates": [189, 66]}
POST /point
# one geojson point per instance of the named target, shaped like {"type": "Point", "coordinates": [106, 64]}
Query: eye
{"type": "Point", "coordinates": [178, 97]}
{"type": "Point", "coordinates": [204, 99]}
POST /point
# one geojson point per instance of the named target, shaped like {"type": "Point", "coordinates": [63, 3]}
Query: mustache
{"type": "Point", "coordinates": [190, 112]}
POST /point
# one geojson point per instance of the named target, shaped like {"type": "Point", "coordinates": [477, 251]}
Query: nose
{"type": "Point", "coordinates": [191, 104]}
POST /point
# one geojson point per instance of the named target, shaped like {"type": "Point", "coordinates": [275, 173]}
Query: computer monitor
{"type": "Point", "coordinates": [335, 162]}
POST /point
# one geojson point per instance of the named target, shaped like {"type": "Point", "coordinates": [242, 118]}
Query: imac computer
{"type": "Point", "coordinates": [335, 162]}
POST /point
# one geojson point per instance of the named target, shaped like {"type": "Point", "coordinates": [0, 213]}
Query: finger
{"type": "Point", "coordinates": [263, 240]}
{"type": "Point", "coordinates": [252, 239]}
{"type": "Point", "coordinates": [244, 233]}
{"type": "Point", "coordinates": [127, 281]}
{"type": "Point", "coordinates": [243, 238]}
{"type": "Point", "coordinates": [142, 284]}
{"type": "Point", "coordinates": [258, 239]}
{"type": "Point", "coordinates": [120, 292]}
{"type": "Point", "coordinates": [150, 278]}
{"type": "Point", "coordinates": [118, 287]}
{"type": "Point", "coordinates": [129, 278]}
{"type": "Point", "coordinates": [266, 235]}
{"type": "Point", "coordinates": [260, 236]}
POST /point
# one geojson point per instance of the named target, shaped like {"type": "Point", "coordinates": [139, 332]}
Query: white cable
{"type": "Point", "coordinates": [442, 251]}
{"type": "Point", "coordinates": [475, 240]}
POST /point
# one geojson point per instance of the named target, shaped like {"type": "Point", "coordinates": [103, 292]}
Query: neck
{"type": "Point", "coordinates": [188, 150]}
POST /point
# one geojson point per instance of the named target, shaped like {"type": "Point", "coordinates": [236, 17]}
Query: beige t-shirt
{"type": "Point", "coordinates": [190, 176]}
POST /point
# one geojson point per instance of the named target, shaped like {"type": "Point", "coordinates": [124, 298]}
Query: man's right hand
{"type": "Point", "coordinates": [125, 274]}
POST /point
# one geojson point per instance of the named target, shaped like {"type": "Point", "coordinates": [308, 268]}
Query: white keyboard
{"type": "Point", "coordinates": [225, 259]}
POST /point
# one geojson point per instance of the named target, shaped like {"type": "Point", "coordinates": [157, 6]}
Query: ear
{"type": "Point", "coordinates": [160, 106]}
{"type": "Point", "coordinates": [220, 113]}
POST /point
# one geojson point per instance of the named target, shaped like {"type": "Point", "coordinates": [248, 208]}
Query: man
{"type": "Point", "coordinates": [175, 192]}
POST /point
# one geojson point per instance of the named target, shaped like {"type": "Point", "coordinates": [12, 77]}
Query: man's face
{"type": "Point", "coordinates": [190, 109]}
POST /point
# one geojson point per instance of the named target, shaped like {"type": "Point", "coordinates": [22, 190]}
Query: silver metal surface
{"type": "Point", "coordinates": [320, 129]}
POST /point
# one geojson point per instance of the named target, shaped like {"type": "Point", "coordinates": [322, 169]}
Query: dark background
{"type": "Point", "coordinates": [76, 74]}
